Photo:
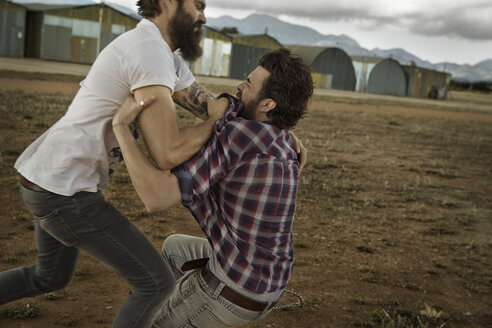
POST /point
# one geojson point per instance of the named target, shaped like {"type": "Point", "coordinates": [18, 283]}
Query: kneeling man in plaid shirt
{"type": "Point", "coordinates": [241, 189]}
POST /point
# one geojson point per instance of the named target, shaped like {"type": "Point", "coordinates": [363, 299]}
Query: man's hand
{"type": "Point", "coordinates": [300, 150]}
{"type": "Point", "coordinates": [130, 110]}
{"type": "Point", "coordinates": [217, 107]}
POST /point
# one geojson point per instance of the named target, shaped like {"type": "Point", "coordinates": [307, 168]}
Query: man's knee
{"type": "Point", "coordinates": [170, 243]}
{"type": "Point", "coordinates": [53, 283]}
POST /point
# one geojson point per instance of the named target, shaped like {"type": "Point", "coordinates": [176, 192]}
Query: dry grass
{"type": "Point", "coordinates": [392, 226]}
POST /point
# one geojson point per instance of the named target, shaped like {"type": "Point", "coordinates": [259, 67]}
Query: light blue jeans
{"type": "Point", "coordinates": [194, 303]}
{"type": "Point", "coordinates": [85, 221]}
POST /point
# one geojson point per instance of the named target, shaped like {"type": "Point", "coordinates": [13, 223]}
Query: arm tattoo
{"type": "Point", "coordinates": [195, 101]}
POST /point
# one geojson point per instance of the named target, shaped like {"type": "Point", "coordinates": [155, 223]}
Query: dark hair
{"type": "Point", "coordinates": [290, 85]}
{"type": "Point", "coordinates": [151, 8]}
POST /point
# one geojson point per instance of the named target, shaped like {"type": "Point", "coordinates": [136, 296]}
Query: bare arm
{"type": "Point", "coordinates": [169, 145]}
{"type": "Point", "coordinates": [194, 99]}
{"type": "Point", "coordinates": [158, 189]}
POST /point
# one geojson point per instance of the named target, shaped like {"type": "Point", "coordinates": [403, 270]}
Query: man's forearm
{"type": "Point", "coordinates": [168, 145]}
{"type": "Point", "coordinates": [157, 189]}
{"type": "Point", "coordinates": [194, 99]}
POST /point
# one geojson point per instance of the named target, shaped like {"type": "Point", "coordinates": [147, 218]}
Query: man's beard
{"type": "Point", "coordinates": [184, 37]}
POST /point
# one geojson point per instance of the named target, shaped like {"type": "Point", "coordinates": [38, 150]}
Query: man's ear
{"type": "Point", "coordinates": [267, 105]}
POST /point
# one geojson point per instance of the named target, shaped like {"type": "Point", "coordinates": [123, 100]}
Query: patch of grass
{"type": "Point", "coordinates": [364, 249]}
{"type": "Point", "coordinates": [402, 318]}
{"type": "Point", "coordinates": [22, 312]}
{"type": "Point", "coordinates": [300, 244]}
{"type": "Point", "coordinates": [13, 258]}
{"type": "Point", "coordinates": [439, 231]}
{"type": "Point", "coordinates": [51, 297]}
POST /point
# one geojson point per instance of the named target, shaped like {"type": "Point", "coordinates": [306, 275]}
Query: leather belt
{"type": "Point", "coordinates": [30, 185]}
{"type": "Point", "coordinates": [232, 296]}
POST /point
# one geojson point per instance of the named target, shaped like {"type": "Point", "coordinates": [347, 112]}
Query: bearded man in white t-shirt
{"type": "Point", "coordinates": [65, 171]}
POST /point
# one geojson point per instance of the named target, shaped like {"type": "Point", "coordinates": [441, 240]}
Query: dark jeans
{"type": "Point", "coordinates": [86, 221]}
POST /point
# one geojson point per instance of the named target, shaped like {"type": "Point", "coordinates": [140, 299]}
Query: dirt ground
{"type": "Point", "coordinates": [393, 223]}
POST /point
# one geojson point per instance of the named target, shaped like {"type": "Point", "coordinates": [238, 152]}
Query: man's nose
{"type": "Point", "coordinates": [202, 18]}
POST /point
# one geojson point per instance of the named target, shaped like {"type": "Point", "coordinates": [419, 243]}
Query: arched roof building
{"type": "Point", "coordinates": [332, 67]}
{"type": "Point", "coordinates": [380, 75]}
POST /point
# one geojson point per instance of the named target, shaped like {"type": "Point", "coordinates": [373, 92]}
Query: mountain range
{"type": "Point", "coordinates": [291, 34]}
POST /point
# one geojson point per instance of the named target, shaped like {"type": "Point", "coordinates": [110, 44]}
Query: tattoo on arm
{"type": "Point", "coordinates": [195, 101]}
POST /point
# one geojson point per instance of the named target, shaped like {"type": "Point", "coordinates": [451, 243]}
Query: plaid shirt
{"type": "Point", "coordinates": [241, 188]}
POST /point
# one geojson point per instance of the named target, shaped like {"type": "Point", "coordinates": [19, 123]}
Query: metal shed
{"type": "Point", "coordinates": [426, 83]}
{"type": "Point", "coordinates": [380, 75]}
{"type": "Point", "coordinates": [332, 67]}
{"type": "Point", "coordinates": [216, 58]}
{"type": "Point", "coordinates": [73, 33]}
{"type": "Point", "coordinates": [247, 51]}
{"type": "Point", "coordinates": [12, 29]}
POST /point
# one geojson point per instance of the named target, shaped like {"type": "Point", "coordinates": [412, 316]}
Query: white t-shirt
{"type": "Point", "coordinates": [78, 152]}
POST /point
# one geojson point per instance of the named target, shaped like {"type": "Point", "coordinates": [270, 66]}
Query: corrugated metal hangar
{"type": "Point", "coordinates": [332, 67]}
{"type": "Point", "coordinates": [380, 75]}
{"type": "Point", "coordinates": [77, 33]}
{"type": "Point", "coordinates": [247, 51]}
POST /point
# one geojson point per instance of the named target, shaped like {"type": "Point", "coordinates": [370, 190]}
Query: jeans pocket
{"type": "Point", "coordinates": [55, 225]}
{"type": "Point", "coordinates": [205, 317]}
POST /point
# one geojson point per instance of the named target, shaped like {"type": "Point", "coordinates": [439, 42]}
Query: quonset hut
{"type": "Point", "coordinates": [380, 75]}
{"type": "Point", "coordinates": [332, 67]}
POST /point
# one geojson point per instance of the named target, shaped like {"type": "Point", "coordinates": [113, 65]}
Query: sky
{"type": "Point", "coordinates": [457, 31]}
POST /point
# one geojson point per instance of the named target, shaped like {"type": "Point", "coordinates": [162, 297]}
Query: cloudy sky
{"type": "Point", "coordinates": [434, 30]}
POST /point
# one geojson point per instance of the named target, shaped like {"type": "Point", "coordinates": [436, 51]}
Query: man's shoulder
{"type": "Point", "coordinates": [259, 137]}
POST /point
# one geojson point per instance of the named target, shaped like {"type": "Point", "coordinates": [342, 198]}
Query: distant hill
{"type": "Point", "coordinates": [287, 33]}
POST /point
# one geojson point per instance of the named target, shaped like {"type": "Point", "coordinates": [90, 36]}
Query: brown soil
{"type": "Point", "coordinates": [393, 224]}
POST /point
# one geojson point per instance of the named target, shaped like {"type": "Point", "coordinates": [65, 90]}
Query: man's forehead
{"type": "Point", "coordinates": [258, 74]}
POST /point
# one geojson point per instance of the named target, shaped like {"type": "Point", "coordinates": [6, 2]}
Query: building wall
{"type": "Point", "coordinates": [216, 58]}
{"type": "Point", "coordinates": [259, 41]}
{"type": "Point", "coordinates": [12, 29]}
{"type": "Point", "coordinates": [388, 78]}
{"type": "Point", "coordinates": [79, 34]}
{"type": "Point", "coordinates": [425, 83]}
{"type": "Point", "coordinates": [247, 51]}
{"type": "Point", "coordinates": [244, 60]}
